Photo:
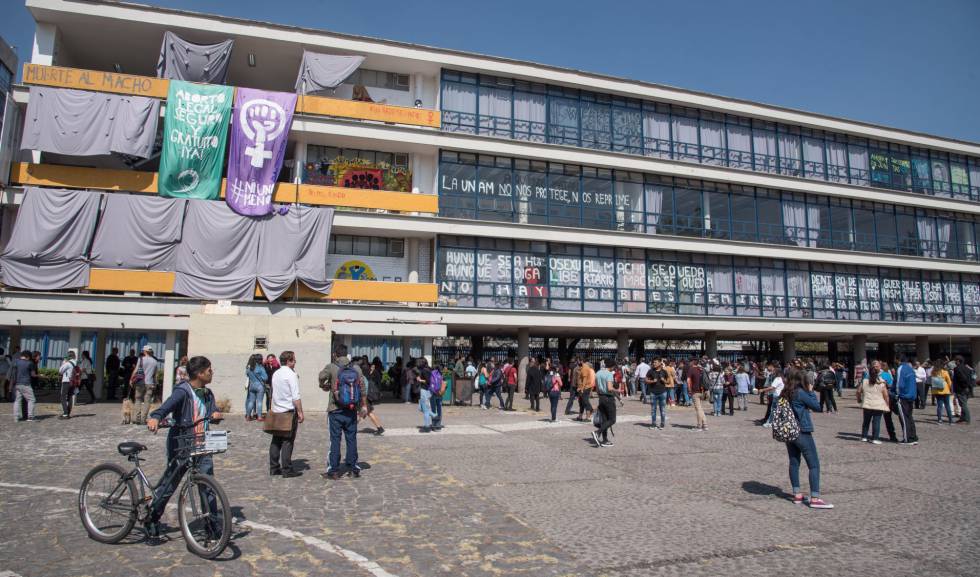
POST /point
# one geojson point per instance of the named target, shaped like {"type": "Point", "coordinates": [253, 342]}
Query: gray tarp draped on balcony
{"type": "Point", "coordinates": [324, 71]}
{"type": "Point", "coordinates": [81, 123]}
{"type": "Point", "coordinates": [47, 250]}
{"type": "Point", "coordinates": [182, 60]}
{"type": "Point", "coordinates": [138, 233]}
{"type": "Point", "coordinates": [294, 247]}
{"type": "Point", "coordinates": [217, 256]}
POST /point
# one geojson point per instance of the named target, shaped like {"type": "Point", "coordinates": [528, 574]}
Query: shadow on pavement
{"type": "Point", "coordinates": [757, 488]}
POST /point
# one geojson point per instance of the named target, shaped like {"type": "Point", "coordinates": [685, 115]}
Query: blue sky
{"type": "Point", "coordinates": [902, 63]}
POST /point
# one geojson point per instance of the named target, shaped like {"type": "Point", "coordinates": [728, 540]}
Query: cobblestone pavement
{"type": "Point", "coordinates": [509, 494]}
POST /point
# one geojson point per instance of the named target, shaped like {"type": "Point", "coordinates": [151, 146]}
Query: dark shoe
{"type": "Point", "coordinates": [331, 476]}
{"type": "Point", "coordinates": [289, 474]}
{"type": "Point", "coordinates": [379, 431]}
{"type": "Point", "coordinates": [274, 472]}
{"type": "Point", "coordinates": [152, 529]}
{"type": "Point", "coordinates": [355, 473]}
{"type": "Point", "coordinates": [425, 429]}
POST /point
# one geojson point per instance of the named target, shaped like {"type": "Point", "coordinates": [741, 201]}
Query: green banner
{"type": "Point", "coordinates": [195, 133]}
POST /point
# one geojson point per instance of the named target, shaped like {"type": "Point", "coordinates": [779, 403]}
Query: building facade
{"type": "Point", "coordinates": [506, 198]}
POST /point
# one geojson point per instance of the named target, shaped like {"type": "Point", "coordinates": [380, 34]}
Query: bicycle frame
{"type": "Point", "coordinates": [141, 507]}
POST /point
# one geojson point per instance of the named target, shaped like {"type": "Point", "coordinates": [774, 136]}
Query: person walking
{"type": "Point", "coordinates": [342, 374]}
{"type": "Point", "coordinates": [271, 365]}
{"type": "Point", "coordinates": [256, 378]}
{"type": "Point", "coordinates": [668, 366]}
{"type": "Point", "coordinates": [941, 384]}
{"type": "Point", "coordinates": [697, 389]}
{"type": "Point", "coordinates": [907, 393]}
{"type": "Point", "coordinates": [483, 384]}
{"type": "Point", "coordinates": [802, 400]}
{"type": "Point", "coordinates": [436, 384]}
{"type": "Point", "coordinates": [873, 398]}
{"type": "Point", "coordinates": [586, 382]}
{"type": "Point", "coordinates": [573, 385]}
{"type": "Point", "coordinates": [535, 383]}
{"type": "Point", "coordinates": [656, 382]}
{"type": "Point", "coordinates": [510, 383]}
{"type": "Point", "coordinates": [964, 379]}
{"type": "Point", "coordinates": [743, 385]}
{"type": "Point", "coordinates": [6, 380]}
{"type": "Point", "coordinates": [826, 385]}
{"type": "Point", "coordinates": [716, 380]}
{"type": "Point", "coordinates": [728, 394]}
{"type": "Point", "coordinates": [285, 400]}
{"type": "Point", "coordinates": [112, 367]}
{"type": "Point", "coordinates": [68, 384]}
{"type": "Point", "coordinates": [553, 383]}
{"type": "Point", "coordinates": [607, 388]}
{"type": "Point", "coordinates": [23, 371]}
{"type": "Point", "coordinates": [641, 378]}
{"type": "Point", "coordinates": [373, 384]}
{"type": "Point", "coordinates": [88, 376]}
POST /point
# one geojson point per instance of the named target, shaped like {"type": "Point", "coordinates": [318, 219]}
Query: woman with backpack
{"type": "Point", "coordinates": [553, 384]}
{"type": "Point", "coordinates": [872, 394]}
{"type": "Point", "coordinates": [716, 380]}
{"type": "Point", "coordinates": [941, 385]}
{"type": "Point", "coordinates": [826, 384]}
{"type": "Point", "coordinates": [800, 400]}
{"type": "Point", "coordinates": [255, 389]}
{"type": "Point", "coordinates": [436, 384]}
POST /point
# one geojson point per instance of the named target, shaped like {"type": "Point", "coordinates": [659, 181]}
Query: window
{"type": "Point", "coordinates": [713, 148]}
{"type": "Point", "coordinates": [718, 209]}
{"type": "Point", "coordinates": [598, 201]}
{"type": "Point", "coordinates": [744, 217]}
{"type": "Point", "coordinates": [598, 278]}
{"type": "Point", "coordinates": [770, 218]}
{"type": "Point", "coordinates": [564, 190]}
{"type": "Point", "coordinates": [864, 227]}
{"type": "Point", "coordinates": [627, 127]}
{"type": "Point", "coordinates": [379, 79]}
{"type": "Point", "coordinates": [495, 190]}
{"type": "Point", "coordinates": [739, 138]}
{"type": "Point", "coordinates": [814, 165]}
{"type": "Point", "coordinates": [659, 201]}
{"type": "Point", "coordinates": [688, 215]}
{"type": "Point", "coordinates": [495, 106]}
{"type": "Point", "coordinates": [685, 138]}
{"type": "Point", "coordinates": [885, 229]}
{"type": "Point", "coordinates": [563, 127]}
{"type": "Point", "coordinates": [531, 187]}
{"type": "Point", "coordinates": [457, 185]}
{"type": "Point", "coordinates": [345, 244]}
{"type": "Point", "coordinates": [764, 145]}
{"type": "Point", "coordinates": [656, 134]}
{"type": "Point", "coordinates": [629, 201]}
{"type": "Point", "coordinates": [458, 102]}
{"type": "Point", "coordinates": [530, 117]}
{"type": "Point", "coordinates": [596, 123]}
{"type": "Point", "coordinates": [565, 266]}
{"type": "Point", "coordinates": [789, 152]}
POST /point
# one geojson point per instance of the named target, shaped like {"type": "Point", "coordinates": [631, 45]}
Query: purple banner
{"type": "Point", "coordinates": [259, 130]}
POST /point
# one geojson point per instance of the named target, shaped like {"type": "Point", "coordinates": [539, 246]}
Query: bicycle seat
{"type": "Point", "coordinates": [130, 448]}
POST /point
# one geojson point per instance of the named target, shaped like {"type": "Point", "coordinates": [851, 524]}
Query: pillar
{"type": "Point", "coordinates": [406, 350]}
{"type": "Point", "coordinates": [44, 52]}
{"type": "Point", "coordinates": [523, 342]}
{"type": "Point", "coordinates": [169, 363]}
{"type": "Point", "coordinates": [622, 344]}
{"type": "Point", "coordinates": [922, 349]}
{"type": "Point", "coordinates": [975, 352]}
{"type": "Point", "coordinates": [14, 340]}
{"type": "Point", "coordinates": [299, 159]}
{"type": "Point", "coordinates": [886, 352]}
{"type": "Point", "coordinates": [427, 349]}
{"type": "Point", "coordinates": [711, 344]}
{"type": "Point", "coordinates": [832, 351]}
{"type": "Point", "coordinates": [859, 350]}
{"type": "Point", "coordinates": [789, 347]}
{"type": "Point", "coordinates": [99, 355]}
{"type": "Point", "coordinates": [75, 341]}
{"type": "Point", "coordinates": [412, 254]}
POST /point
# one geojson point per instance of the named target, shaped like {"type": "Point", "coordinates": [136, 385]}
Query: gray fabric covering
{"type": "Point", "coordinates": [324, 71]}
{"type": "Point", "coordinates": [294, 247]}
{"type": "Point", "coordinates": [218, 253]}
{"type": "Point", "coordinates": [182, 60]}
{"type": "Point", "coordinates": [138, 232]}
{"type": "Point", "coordinates": [50, 240]}
{"type": "Point", "coordinates": [82, 123]}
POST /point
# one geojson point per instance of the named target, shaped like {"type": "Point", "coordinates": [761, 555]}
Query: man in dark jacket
{"type": "Point", "coordinates": [190, 402]}
{"type": "Point", "coordinates": [112, 367]}
{"type": "Point", "coordinates": [962, 383]}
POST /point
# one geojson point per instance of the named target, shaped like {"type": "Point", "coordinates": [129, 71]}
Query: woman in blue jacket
{"type": "Point", "coordinates": [802, 400]}
{"type": "Point", "coordinates": [257, 377]}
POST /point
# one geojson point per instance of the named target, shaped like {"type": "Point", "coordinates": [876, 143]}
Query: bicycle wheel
{"type": "Point", "coordinates": [107, 503]}
{"type": "Point", "coordinates": [204, 515]}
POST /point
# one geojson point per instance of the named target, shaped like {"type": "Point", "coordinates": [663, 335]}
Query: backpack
{"type": "Point", "coordinates": [705, 380]}
{"type": "Point", "coordinates": [496, 377]}
{"type": "Point", "coordinates": [828, 380]}
{"type": "Point", "coordinates": [937, 383]}
{"type": "Point", "coordinates": [435, 382]}
{"type": "Point", "coordinates": [348, 388]}
{"type": "Point", "coordinates": [785, 427]}
{"type": "Point", "coordinates": [75, 379]}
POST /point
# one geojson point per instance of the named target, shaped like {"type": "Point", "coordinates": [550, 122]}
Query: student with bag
{"type": "Point", "coordinates": [71, 378]}
{"type": "Point", "coordinates": [941, 385]}
{"type": "Point", "coordinates": [344, 382]}
{"type": "Point", "coordinates": [873, 397]}
{"type": "Point", "coordinates": [552, 382]}
{"type": "Point", "coordinates": [143, 382]}
{"type": "Point", "coordinates": [284, 417]}
{"type": "Point", "coordinates": [436, 384]}
{"type": "Point", "coordinates": [798, 397]}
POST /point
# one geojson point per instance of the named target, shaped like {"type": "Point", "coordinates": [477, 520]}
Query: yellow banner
{"type": "Point", "coordinates": [95, 80]}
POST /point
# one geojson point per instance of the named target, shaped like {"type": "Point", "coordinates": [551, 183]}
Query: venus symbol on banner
{"type": "Point", "coordinates": [262, 120]}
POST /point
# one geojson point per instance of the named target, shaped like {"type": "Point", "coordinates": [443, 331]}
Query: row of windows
{"type": "Point", "coordinates": [506, 108]}
{"type": "Point", "coordinates": [513, 190]}
{"type": "Point", "coordinates": [367, 245]}
{"type": "Point", "coordinates": [501, 273]}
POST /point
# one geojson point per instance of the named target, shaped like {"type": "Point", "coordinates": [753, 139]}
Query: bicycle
{"type": "Point", "coordinates": [111, 500]}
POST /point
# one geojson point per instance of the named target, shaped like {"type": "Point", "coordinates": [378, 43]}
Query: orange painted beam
{"type": "Point", "coordinates": [146, 182]}
{"type": "Point", "coordinates": [119, 280]}
{"type": "Point", "coordinates": [98, 81]}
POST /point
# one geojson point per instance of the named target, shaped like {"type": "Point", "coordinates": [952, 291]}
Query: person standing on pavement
{"type": "Point", "coordinates": [522, 366]}
{"type": "Point", "coordinates": [128, 367]}
{"type": "Point", "coordinates": [510, 382]}
{"type": "Point", "coordinates": [112, 366]}
{"type": "Point", "coordinates": [256, 376]}
{"type": "Point", "coordinates": [285, 399]}
{"type": "Point", "coordinates": [695, 385]}
{"type": "Point", "coordinates": [907, 393]}
{"type": "Point", "coordinates": [373, 383]}
{"type": "Point", "coordinates": [774, 388]}
{"type": "Point", "coordinates": [743, 385]}
{"type": "Point", "coordinates": [921, 386]}
{"type": "Point", "coordinates": [655, 383]}
{"type": "Point", "coordinates": [873, 397]}
{"type": "Point", "coordinates": [607, 388]}
{"type": "Point", "coordinates": [802, 400]}
{"type": "Point", "coordinates": [826, 384]}
{"type": "Point", "coordinates": [23, 371]}
{"type": "Point", "coordinates": [535, 383]}
{"type": "Point", "coordinates": [552, 382]}
{"type": "Point", "coordinates": [144, 383]}
{"type": "Point", "coordinates": [586, 382]}
{"type": "Point", "coordinates": [436, 384]}
{"type": "Point", "coordinates": [67, 373]}
{"type": "Point", "coordinates": [342, 419]}
{"type": "Point", "coordinates": [88, 376]}
{"type": "Point", "coordinates": [640, 374]}
{"type": "Point", "coordinates": [964, 380]}
{"type": "Point", "coordinates": [573, 385]}
{"type": "Point", "coordinates": [425, 399]}
{"type": "Point", "coordinates": [409, 381]}
{"type": "Point", "coordinates": [6, 367]}
{"type": "Point", "coordinates": [941, 384]}
{"type": "Point", "coordinates": [880, 369]}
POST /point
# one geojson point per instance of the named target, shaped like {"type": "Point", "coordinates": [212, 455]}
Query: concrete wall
{"type": "Point", "coordinates": [229, 339]}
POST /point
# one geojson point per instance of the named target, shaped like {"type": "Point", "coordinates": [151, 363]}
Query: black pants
{"type": "Point", "coordinates": [768, 408]}
{"type": "Point", "coordinates": [171, 478]}
{"type": "Point", "coordinates": [731, 403]}
{"type": "Point", "coordinates": [607, 406]}
{"type": "Point", "coordinates": [907, 421]}
{"type": "Point", "coordinates": [962, 398]}
{"type": "Point", "coordinates": [535, 398]}
{"type": "Point", "coordinates": [509, 405]}
{"type": "Point", "coordinates": [281, 450]}
{"type": "Point", "coordinates": [899, 411]}
{"type": "Point", "coordinates": [111, 385]}
{"type": "Point", "coordinates": [554, 397]}
{"type": "Point", "coordinates": [921, 391]}
{"type": "Point", "coordinates": [827, 400]}
{"type": "Point", "coordinates": [90, 389]}
{"type": "Point", "coordinates": [67, 398]}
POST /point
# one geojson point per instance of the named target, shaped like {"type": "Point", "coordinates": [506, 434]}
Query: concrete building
{"type": "Point", "coordinates": [530, 201]}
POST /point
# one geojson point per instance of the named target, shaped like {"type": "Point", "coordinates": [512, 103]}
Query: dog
{"type": "Point", "coordinates": [127, 412]}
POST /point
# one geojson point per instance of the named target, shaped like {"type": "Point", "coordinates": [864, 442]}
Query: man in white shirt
{"type": "Point", "coordinates": [285, 399]}
{"type": "Point", "coordinates": [920, 385]}
{"type": "Point", "coordinates": [641, 377]}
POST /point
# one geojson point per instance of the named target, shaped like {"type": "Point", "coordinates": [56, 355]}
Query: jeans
{"type": "Point", "coordinates": [23, 392]}
{"type": "Point", "coordinates": [872, 417]}
{"type": "Point", "coordinates": [425, 405]}
{"type": "Point", "coordinates": [961, 398]}
{"type": "Point", "coordinates": [805, 447]}
{"type": "Point", "coordinates": [253, 401]}
{"type": "Point", "coordinates": [343, 421]}
{"type": "Point", "coordinates": [171, 478]}
{"type": "Point", "coordinates": [840, 385]}
{"type": "Point", "coordinates": [554, 397]}
{"type": "Point", "coordinates": [509, 405]}
{"type": "Point", "coordinates": [731, 403]}
{"type": "Point", "coordinates": [943, 401]}
{"type": "Point", "coordinates": [407, 392]}
{"type": "Point", "coordinates": [436, 410]}
{"type": "Point", "coordinates": [743, 401]}
{"type": "Point", "coordinates": [584, 405]}
{"type": "Point", "coordinates": [67, 398]}
{"type": "Point", "coordinates": [281, 449]}
{"type": "Point", "coordinates": [572, 395]}
{"type": "Point", "coordinates": [670, 395]}
{"type": "Point", "coordinates": [658, 401]}
{"type": "Point", "coordinates": [921, 391]}
{"type": "Point", "coordinates": [682, 394]}
{"type": "Point", "coordinates": [643, 388]}
{"type": "Point", "coordinates": [494, 390]}
{"type": "Point", "coordinates": [716, 398]}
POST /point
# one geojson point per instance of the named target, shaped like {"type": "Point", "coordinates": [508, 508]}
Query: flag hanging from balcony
{"type": "Point", "coordinates": [259, 131]}
{"type": "Point", "coordinates": [195, 130]}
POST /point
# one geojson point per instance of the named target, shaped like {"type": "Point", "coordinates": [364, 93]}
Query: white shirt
{"type": "Point", "coordinates": [920, 375]}
{"type": "Point", "coordinates": [285, 390]}
{"type": "Point", "coordinates": [66, 369]}
{"type": "Point", "coordinates": [641, 371]}
{"type": "Point", "coordinates": [777, 386]}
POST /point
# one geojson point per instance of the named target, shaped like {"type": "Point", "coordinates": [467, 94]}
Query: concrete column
{"type": "Point", "coordinates": [45, 44]}
{"type": "Point", "coordinates": [98, 357]}
{"type": "Point", "coordinates": [859, 350]}
{"type": "Point", "coordinates": [406, 350]}
{"type": "Point", "coordinates": [922, 349]}
{"type": "Point", "coordinates": [75, 341]}
{"type": "Point", "coordinates": [832, 351]}
{"type": "Point", "coordinates": [412, 255]}
{"type": "Point", "coordinates": [14, 339]}
{"type": "Point", "coordinates": [427, 349]}
{"type": "Point", "coordinates": [711, 344]}
{"type": "Point", "coordinates": [975, 352]}
{"type": "Point", "coordinates": [622, 344]}
{"type": "Point", "coordinates": [169, 363]}
{"type": "Point", "coordinates": [789, 347]}
{"type": "Point", "coordinates": [523, 342]}
{"type": "Point", "coordinates": [299, 160]}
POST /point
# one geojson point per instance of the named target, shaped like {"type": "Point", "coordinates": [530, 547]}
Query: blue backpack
{"type": "Point", "coordinates": [348, 388]}
{"type": "Point", "coordinates": [435, 382]}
